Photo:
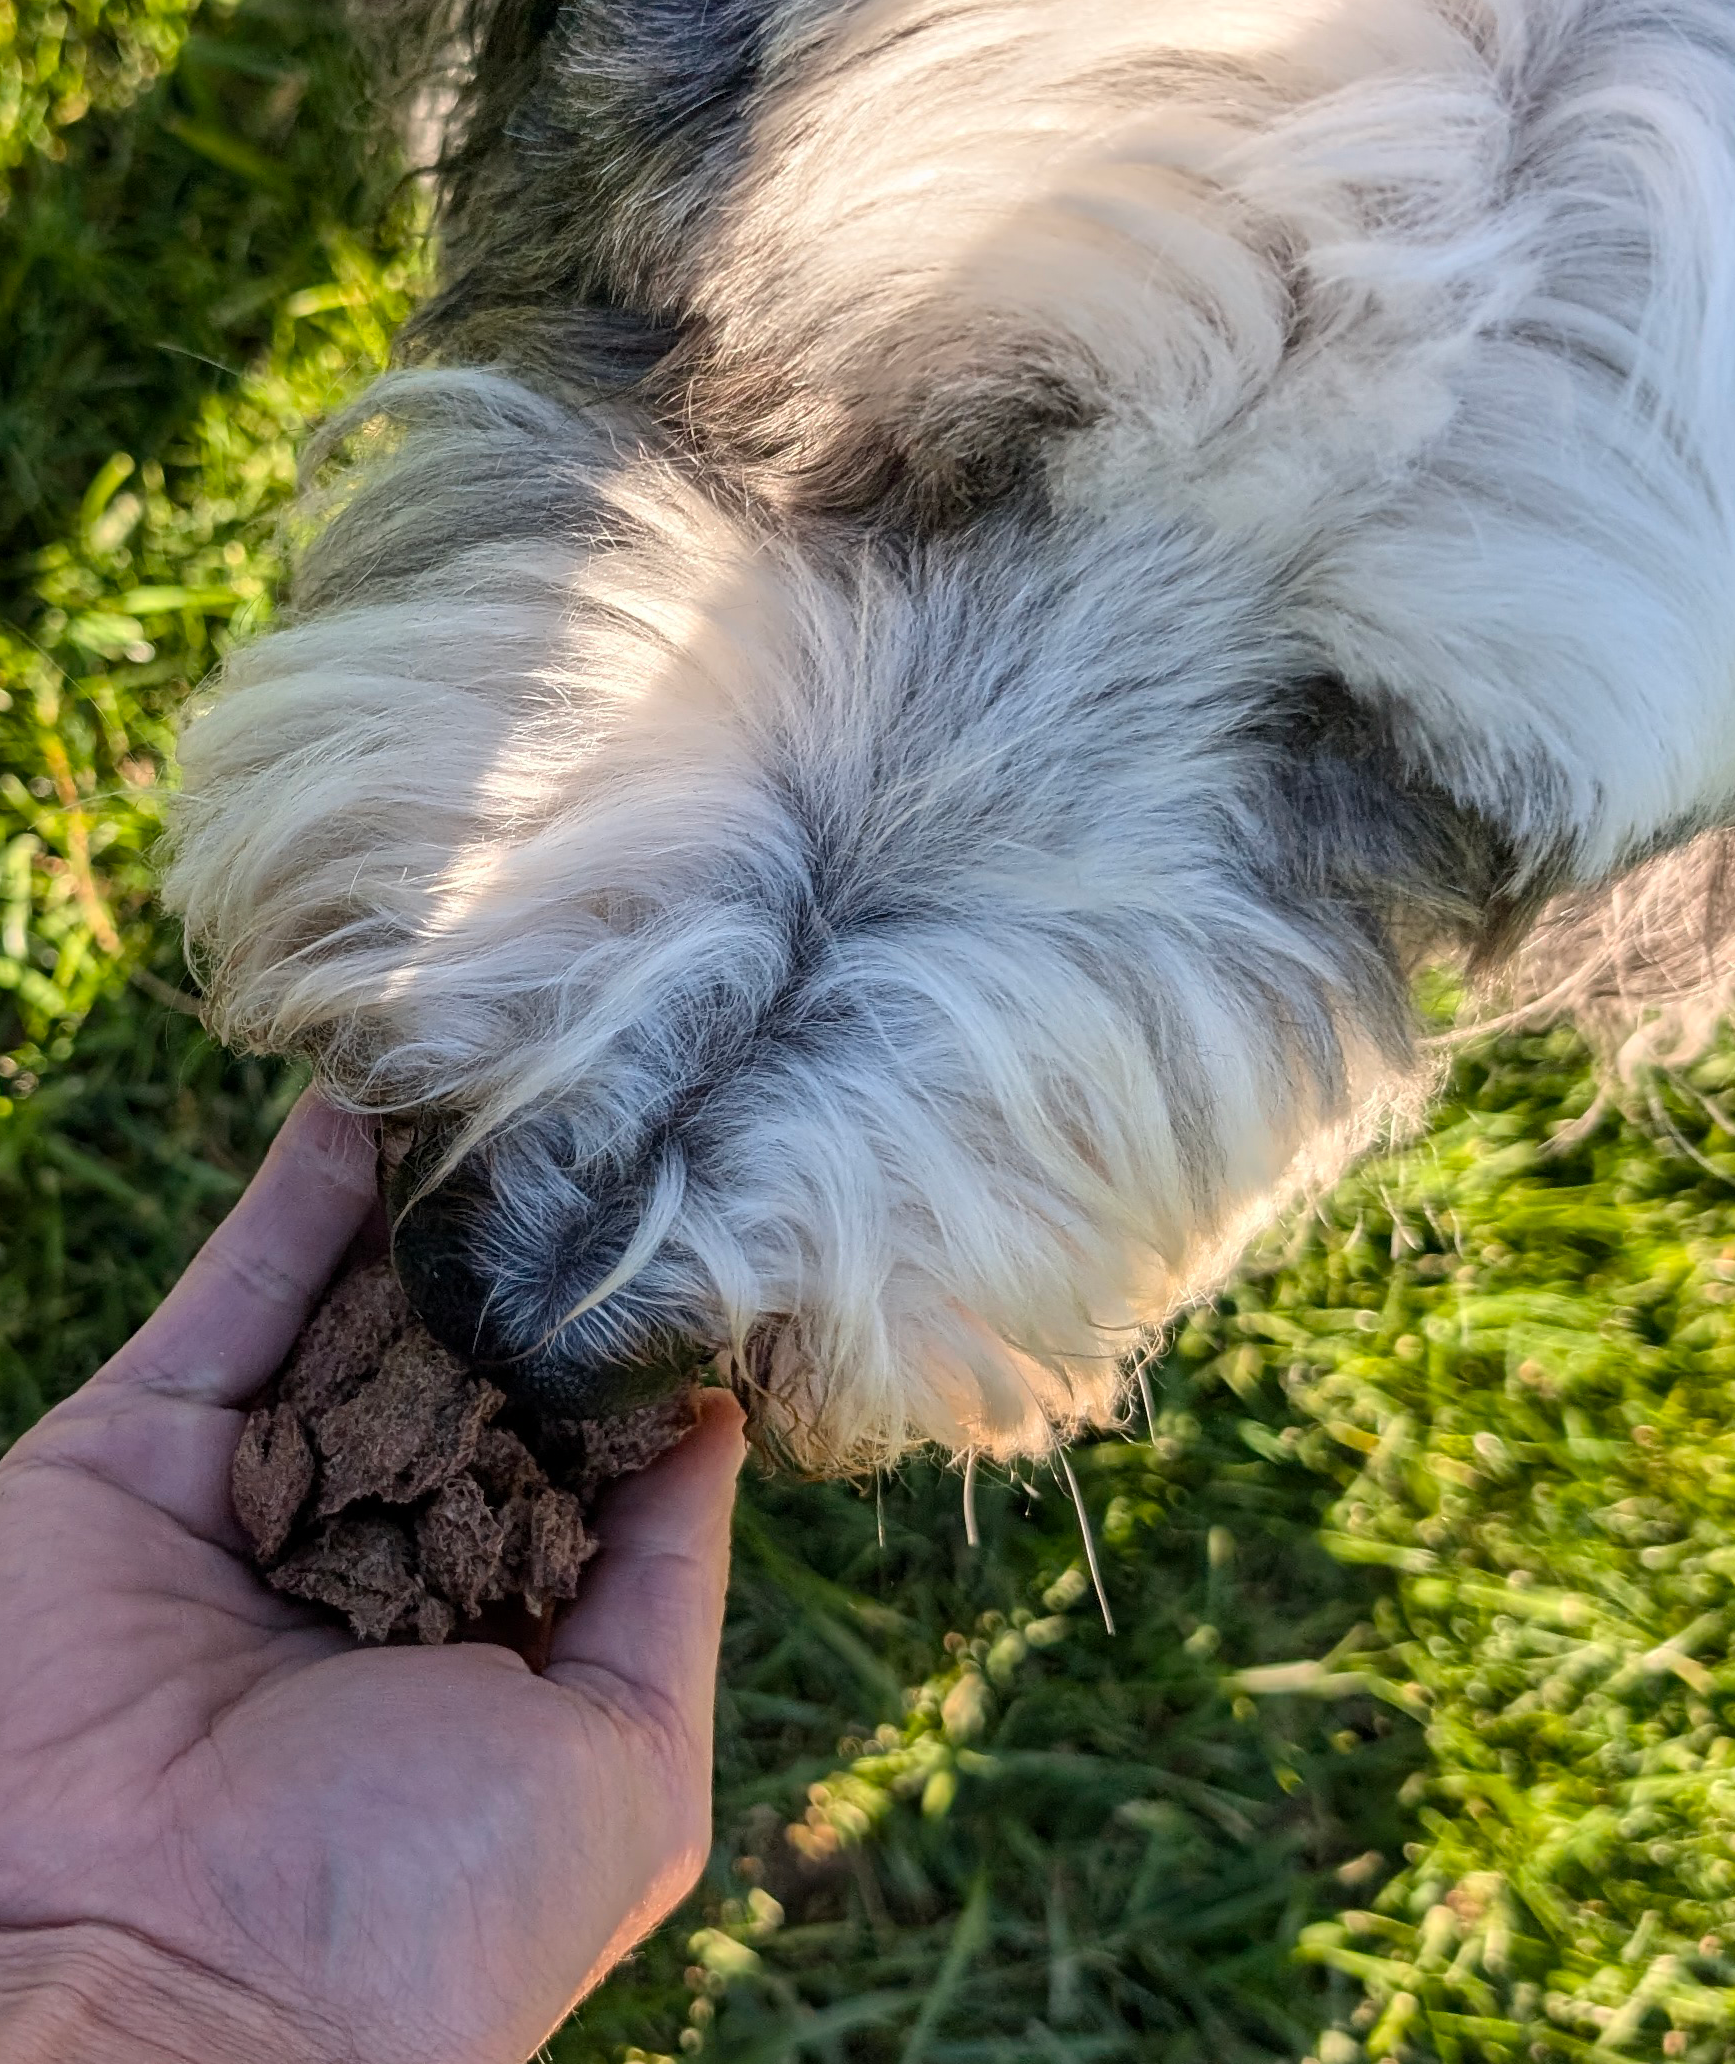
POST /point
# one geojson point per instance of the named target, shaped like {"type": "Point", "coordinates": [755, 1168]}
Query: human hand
{"type": "Point", "coordinates": [230, 1833]}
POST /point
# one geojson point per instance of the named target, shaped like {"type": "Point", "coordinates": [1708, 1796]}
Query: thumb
{"type": "Point", "coordinates": [651, 1614]}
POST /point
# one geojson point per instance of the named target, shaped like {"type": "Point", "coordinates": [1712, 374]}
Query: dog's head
{"type": "Point", "coordinates": [906, 969]}
{"type": "Point", "coordinates": [870, 789]}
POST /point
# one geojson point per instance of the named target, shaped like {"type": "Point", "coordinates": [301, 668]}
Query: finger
{"type": "Point", "coordinates": [234, 1315]}
{"type": "Point", "coordinates": [646, 1629]}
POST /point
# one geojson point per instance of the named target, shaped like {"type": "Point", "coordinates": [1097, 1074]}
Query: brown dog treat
{"type": "Point", "coordinates": [435, 1621]}
{"type": "Point", "coordinates": [559, 1548]}
{"type": "Point", "coordinates": [405, 1432]}
{"type": "Point", "coordinates": [374, 1480]}
{"type": "Point", "coordinates": [460, 1544]}
{"type": "Point", "coordinates": [515, 1543]}
{"type": "Point", "coordinates": [272, 1476]}
{"type": "Point", "coordinates": [346, 1339]}
{"type": "Point", "coordinates": [504, 1466]}
{"type": "Point", "coordinates": [624, 1446]}
{"type": "Point", "coordinates": [363, 1568]}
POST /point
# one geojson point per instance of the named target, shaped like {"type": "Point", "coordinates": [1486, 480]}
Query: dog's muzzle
{"type": "Point", "coordinates": [438, 1231]}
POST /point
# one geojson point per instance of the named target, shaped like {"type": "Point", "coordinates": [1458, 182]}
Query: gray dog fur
{"type": "Point", "coordinates": [950, 597]}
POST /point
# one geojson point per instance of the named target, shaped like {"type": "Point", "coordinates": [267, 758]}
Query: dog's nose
{"type": "Point", "coordinates": [568, 1370]}
{"type": "Point", "coordinates": [435, 1227]}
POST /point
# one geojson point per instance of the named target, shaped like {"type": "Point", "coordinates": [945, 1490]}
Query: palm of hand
{"type": "Point", "coordinates": [398, 1854]}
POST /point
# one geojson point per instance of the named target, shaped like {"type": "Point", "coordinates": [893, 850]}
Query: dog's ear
{"type": "Point", "coordinates": [584, 138]}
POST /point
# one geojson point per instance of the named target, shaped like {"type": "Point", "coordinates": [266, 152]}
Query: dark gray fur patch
{"type": "Point", "coordinates": [954, 451]}
{"type": "Point", "coordinates": [589, 137]}
{"type": "Point", "coordinates": [1363, 840]}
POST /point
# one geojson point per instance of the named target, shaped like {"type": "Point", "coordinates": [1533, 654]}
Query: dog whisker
{"type": "Point", "coordinates": [1063, 1462]}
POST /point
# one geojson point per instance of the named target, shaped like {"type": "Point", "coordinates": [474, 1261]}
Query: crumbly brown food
{"type": "Point", "coordinates": [374, 1476]}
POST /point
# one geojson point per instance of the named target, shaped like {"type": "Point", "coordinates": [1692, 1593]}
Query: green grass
{"type": "Point", "coordinates": [1417, 1739]}
{"type": "Point", "coordinates": [61, 58]}
{"type": "Point", "coordinates": [184, 286]}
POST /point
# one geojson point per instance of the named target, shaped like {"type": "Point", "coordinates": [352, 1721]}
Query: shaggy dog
{"type": "Point", "coordinates": [951, 596]}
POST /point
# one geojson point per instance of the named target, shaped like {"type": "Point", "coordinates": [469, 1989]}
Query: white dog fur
{"type": "Point", "coordinates": [952, 596]}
